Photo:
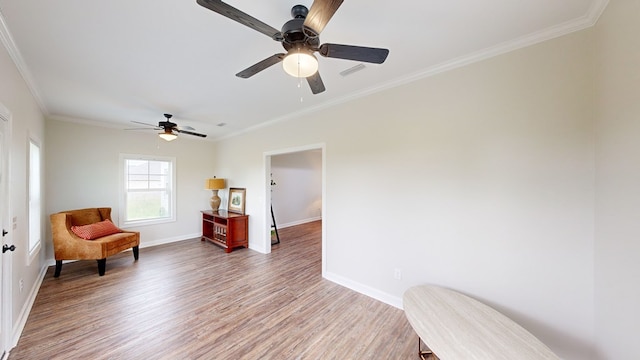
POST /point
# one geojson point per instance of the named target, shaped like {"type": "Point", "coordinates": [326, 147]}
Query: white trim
{"type": "Point", "coordinates": [265, 245]}
{"type": "Point", "coordinates": [365, 290]}
{"type": "Point", "coordinates": [146, 244]}
{"type": "Point", "coordinates": [18, 60]}
{"type": "Point", "coordinates": [266, 240]}
{"type": "Point", "coordinates": [122, 221]}
{"type": "Point", "coordinates": [6, 291]}
{"type": "Point", "coordinates": [596, 10]}
{"type": "Point", "coordinates": [318, 146]}
{"type": "Point", "coordinates": [299, 222]}
{"type": "Point", "coordinates": [32, 253]}
{"type": "Point", "coordinates": [21, 321]}
{"type": "Point", "coordinates": [4, 112]}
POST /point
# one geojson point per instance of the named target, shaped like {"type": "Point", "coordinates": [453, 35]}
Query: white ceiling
{"type": "Point", "coordinates": [117, 61]}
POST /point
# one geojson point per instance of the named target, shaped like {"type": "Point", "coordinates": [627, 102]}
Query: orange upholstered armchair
{"type": "Point", "coordinates": [89, 234]}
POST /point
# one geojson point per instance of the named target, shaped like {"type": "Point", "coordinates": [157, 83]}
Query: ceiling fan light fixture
{"type": "Point", "coordinates": [168, 135]}
{"type": "Point", "coordinates": [300, 64]}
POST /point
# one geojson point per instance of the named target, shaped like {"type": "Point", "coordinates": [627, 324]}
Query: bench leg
{"type": "Point", "coordinates": [58, 268]}
{"type": "Point", "coordinates": [102, 266]}
{"type": "Point", "coordinates": [425, 354]}
{"type": "Point", "coordinates": [135, 252]}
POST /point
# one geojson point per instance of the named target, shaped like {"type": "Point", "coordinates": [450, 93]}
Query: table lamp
{"type": "Point", "coordinates": [214, 185]}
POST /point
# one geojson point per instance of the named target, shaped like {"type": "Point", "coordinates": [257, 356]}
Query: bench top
{"type": "Point", "coordinates": [455, 326]}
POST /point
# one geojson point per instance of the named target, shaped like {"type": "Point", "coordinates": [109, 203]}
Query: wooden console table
{"type": "Point", "coordinates": [226, 229]}
{"type": "Point", "coordinates": [455, 326]}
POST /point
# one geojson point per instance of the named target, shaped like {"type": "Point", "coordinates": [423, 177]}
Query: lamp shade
{"type": "Point", "coordinates": [300, 64]}
{"type": "Point", "coordinates": [168, 135]}
{"type": "Point", "coordinates": [214, 184]}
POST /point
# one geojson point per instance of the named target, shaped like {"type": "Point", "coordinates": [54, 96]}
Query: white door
{"type": "Point", "coordinates": [5, 294]}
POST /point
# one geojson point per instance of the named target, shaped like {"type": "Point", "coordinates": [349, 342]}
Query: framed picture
{"type": "Point", "coordinates": [236, 200]}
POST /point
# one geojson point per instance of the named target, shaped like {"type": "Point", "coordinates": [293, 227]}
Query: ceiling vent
{"type": "Point", "coordinates": [352, 70]}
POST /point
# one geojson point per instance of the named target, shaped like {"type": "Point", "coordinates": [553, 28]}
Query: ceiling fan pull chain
{"type": "Point", "coordinates": [300, 89]}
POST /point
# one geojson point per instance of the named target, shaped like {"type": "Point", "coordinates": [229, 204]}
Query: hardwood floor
{"type": "Point", "coordinates": [190, 300]}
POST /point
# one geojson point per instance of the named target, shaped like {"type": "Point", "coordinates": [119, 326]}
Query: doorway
{"type": "Point", "coordinates": [316, 209]}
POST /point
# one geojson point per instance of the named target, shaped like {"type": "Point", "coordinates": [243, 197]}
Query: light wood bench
{"type": "Point", "coordinates": [455, 326]}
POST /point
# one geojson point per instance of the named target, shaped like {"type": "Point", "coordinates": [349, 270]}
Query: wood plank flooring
{"type": "Point", "coordinates": [190, 300]}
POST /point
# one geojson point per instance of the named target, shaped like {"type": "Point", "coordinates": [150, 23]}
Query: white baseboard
{"type": "Point", "coordinates": [299, 222]}
{"type": "Point", "coordinates": [16, 332]}
{"type": "Point", "coordinates": [145, 244]}
{"type": "Point", "coordinates": [365, 290]}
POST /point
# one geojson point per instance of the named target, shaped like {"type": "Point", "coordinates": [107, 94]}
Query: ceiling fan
{"type": "Point", "coordinates": [170, 129]}
{"type": "Point", "coordinates": [300, 37]}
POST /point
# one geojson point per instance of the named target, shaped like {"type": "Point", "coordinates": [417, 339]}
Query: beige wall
{"type": "Point", "coordinates": [480, 179]}
{"type": "Point", "coordinates": [83, 171]}
{"type": "Point", "coordinates": [297, 195]}
{"type": "Point", "coordinates": [618, 179]}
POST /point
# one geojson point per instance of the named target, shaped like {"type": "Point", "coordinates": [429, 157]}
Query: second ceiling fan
{"type": "Point", "coordinates": [170, 130]}
{"type": "Point", "coordinates": [300, 38]}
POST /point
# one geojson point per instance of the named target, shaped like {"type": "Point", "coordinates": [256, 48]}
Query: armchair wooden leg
{"type": "Point", "coordinates": [102, 266]}
{"type": "Point", "coordinates": [136, 252]}
{"type": "Point", "coordinates": [58, 268]}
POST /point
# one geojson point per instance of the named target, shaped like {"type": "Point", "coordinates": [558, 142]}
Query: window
{"type": "Point", "coordinates": [148, 195]}
{"type": "Point", "coordinates": [35, 201]}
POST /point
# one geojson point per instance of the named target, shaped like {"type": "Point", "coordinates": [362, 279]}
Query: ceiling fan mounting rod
{"type": "Point", "coordinates": [299, 12]}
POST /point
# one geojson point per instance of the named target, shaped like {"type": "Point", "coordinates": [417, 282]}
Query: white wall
{"type": "Point", "coordinates": [297, 195]}
{"type": "Point", "coordinates": [83, 171]}
{"type": "Point", "coordinates": [480, 179]}
{"type": "Point", "coordinates": [27, 121]}
{"type": "Point", "coordinates": [618, 181]}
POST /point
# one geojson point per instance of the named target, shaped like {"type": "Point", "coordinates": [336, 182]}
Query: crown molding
{"type": "Point", "coordinates": [588, 20]}
{"type": "Point", "coordinates": [596, 10]}
{"type": "Point", "coordinates": [14, 53]}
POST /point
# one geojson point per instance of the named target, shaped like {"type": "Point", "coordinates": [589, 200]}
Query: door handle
{"type": "Point", "coordinates": [4, 232]}
{"type": "Point", "coordinates": [6, 248]}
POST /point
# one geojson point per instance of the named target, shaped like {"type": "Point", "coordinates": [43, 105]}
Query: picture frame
{"type": "Point", "coordinates": [236, 200]}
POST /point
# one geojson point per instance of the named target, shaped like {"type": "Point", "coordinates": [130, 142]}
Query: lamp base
{"type": "Point", "coordinates": [215, 201]}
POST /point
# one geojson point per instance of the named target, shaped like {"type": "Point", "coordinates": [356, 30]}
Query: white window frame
{"type": "Point", "coordinates": [171, 217]}
{"type": "Point", "coordinates": [34, 176]}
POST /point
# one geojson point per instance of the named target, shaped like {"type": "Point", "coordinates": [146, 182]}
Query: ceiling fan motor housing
{"type": "Point", "coordinates": [167, 124]}
{"type": "Point", "coordinates": [293, 31]}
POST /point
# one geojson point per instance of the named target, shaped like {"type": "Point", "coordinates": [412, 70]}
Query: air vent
{"type": "Point", "coordinates": [353, 69]}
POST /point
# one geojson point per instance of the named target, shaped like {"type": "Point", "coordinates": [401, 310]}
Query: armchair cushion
{"type": "Point", "coordinates": [95, 230]}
